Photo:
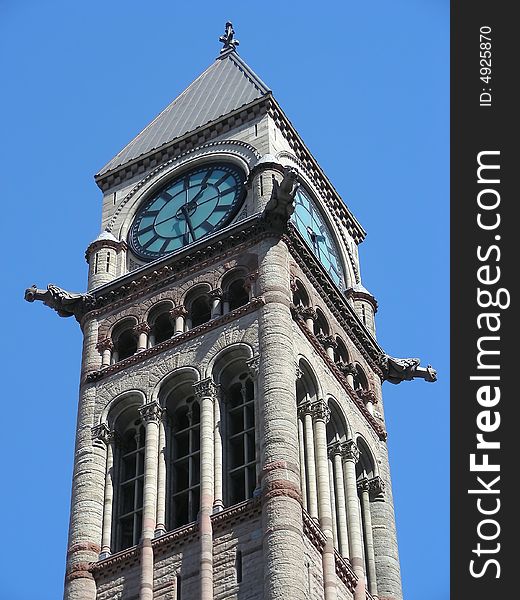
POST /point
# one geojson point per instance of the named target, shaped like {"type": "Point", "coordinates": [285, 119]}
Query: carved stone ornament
{"type": "Point", "coordinates": [280, 207]}
{"type": "Point", "coordinates": [320, 410]}
{"type": "Point", "coordinates": [376, 487]}
{"type": "Point", "coordinates": [106, 344]}
{"type": "Point", "coordinates": [309, 313]}
{"type": "Point", "coordinates": [179, 311]}
{"type": "Point", "coordinates": [215, 294]}
{"type": "Point", "coordinates": [142, 328]}
{"type": "Point", "coordinates": [363, 485]}
{"type": "Point", "coordinates": [305, 408]}
{"type": "Point", "coordinates": [348, 368]}
{"type": "Point", "coordinates": [66, 304]}
{"type": "Point", "coordinates": [151, 412]}
{"type": "Point", "coordinates": [228, 39]}
{"type": "Point", "coordinates": [102, 433]}
{"type": "Point", "coordinates": [205, 388]}
{"type": "Point", "coordinates": [253, 364]}
{"type": "Point", "coordinates": [396, 370]}
{"type": "Point", "coordinates": [350, 451]}
{"type": "Point", "coordinates": [334, 449]}
{"type": "Point", "coordinates": [366, 396]}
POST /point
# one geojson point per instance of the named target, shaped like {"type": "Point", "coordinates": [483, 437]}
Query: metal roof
{"type": "Point", "coordinates": [225, 86]}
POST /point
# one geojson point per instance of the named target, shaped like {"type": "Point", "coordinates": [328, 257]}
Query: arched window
{"type": "Point", "coordinates": [237, 425]}
{"type": "Point", "coordinates": [360, 379]}
{"type": "Point", "coordinates": [300, 296]}
{"type": "Point", "coordinates": [341, 353]}
{"type": "Point", "coordinates": [161, 324]}
{"type": "Point", "coordinates": [125, 340]}
{"type": "Point", "coordinates": [321, 326]}
{"type": "Point", "coordinates": [185, 464]}
{"type": "Point", "coordinates": [240, 439]}
{"type": "Point", "coordinates": [182, 451]}
{"type": "Point", "coordinates": [129, 480]}
{"type": "Point", "coordinates": [198, 305]}
{"type": "Point", "coordinates": [237, 294]}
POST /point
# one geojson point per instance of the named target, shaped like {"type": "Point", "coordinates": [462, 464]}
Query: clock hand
{"type": "Point", "coordinates": [184, 211]}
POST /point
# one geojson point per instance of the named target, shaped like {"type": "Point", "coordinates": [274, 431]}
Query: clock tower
{"type": "Point", "coordinates": [231, 439]}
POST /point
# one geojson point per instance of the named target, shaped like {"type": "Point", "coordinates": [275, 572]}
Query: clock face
{"type": "Point", "coordinates": [189, 207]}
{"type": "Point", "coordinates": [312, 227]}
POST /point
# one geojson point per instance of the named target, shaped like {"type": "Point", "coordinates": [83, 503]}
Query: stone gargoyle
{"type": "Point", "coordinates": [396, 370]}
{"type": "Point", "coordinates": [66, 304]}
{"type": "Point", "coordinates": [281, 203]}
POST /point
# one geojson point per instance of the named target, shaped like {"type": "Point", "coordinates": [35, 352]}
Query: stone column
{"type": "Point", "coordinates": [303, 470]}
{"type": "Point", "coordinates": [206, 393]}
{"type": "Point", "coordinates": [333, 504]}
{"type": "Point", "coordinates": [321, 416]}
{"type": "Point", "coordinates": [105, 347]}
{"type": "Point", "coordinates": [142, 330]}
{"type": "Point", "coordinates": [384, 531]}
{"type": "Point", "coordinates": [103, 434]}
{"type": "Point", "coordinates": [349, 370]}
{"type": "Point", "coordinates": [160, 526]}
{"type": "Point", "coordinates": [310, 462]}
{"type": "Point", "coordinates": [151, 416]}
{"type": "Point", "coordinates": [350, 457]}
{"type": "Point", "coordinates": [330, 345]}
{"type": "Point", "coordinates": [225, 303]}
{"type": "Point", "coordinates": [88, 493]}
{"type": "Point", "coordinates": [249, 284]}
{"type": "Point", "coordinates": [253, 365]}
{"type": "Point", "coordinates": [179, 313]}
{"type": "Point", "coordinates": [216, 302]}
{"type": "Point", "coordinates": [282, 522]}
{"type": "Point", "coordinates": [310, 316]}
{"type": "Point", "coordinates": [218, 503]}
{"type": "Point", "coordinates": [369, 539]}
{"type": "Point", "coordinates": [341, 514]}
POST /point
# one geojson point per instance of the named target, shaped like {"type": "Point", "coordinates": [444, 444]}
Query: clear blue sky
{"type": "Point", "coordinates": [365, 84]}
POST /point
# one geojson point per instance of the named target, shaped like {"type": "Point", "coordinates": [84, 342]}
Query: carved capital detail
{"type": "Point", "coordinates": [206, 388]}
{"type": "Point", "coordinates": [330, 342]}
{"type": "Point", "coordinates": [215, 294]}
{"type": "Point", "coordinates": [106, 344]}
{"type": "Point", "coordinates": [179, 311]}
{"type": "Point", "coordinates": [362, 485]}
{"type": "Point", "coordinates": [320, 411]}
{"type": "Point", "coordinates": [305, 408]}
{"type": "Point", "coordinates": [348, 368]}
{"type": "Point", "coordinates": [309, 313]}
{"type": "Point", "coordinates": [350, 451]}
{"type": "Point", "coordinates": [151, 412]}
{"type": "Point", "coordinates": [366, 396]}
{"type": "Point", "coordinates": [102, 433]}
{"type": "Point", "coordinates": [142, 328]}
{"type": "Point", "coordinates": [334, 449]}
{"type": "Point", "coordinates": [253, 364]}
{"type": "Point", "coordinates": [376, 488]}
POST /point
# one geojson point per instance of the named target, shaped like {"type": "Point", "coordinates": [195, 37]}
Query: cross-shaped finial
{"type": "Point", "coordinates": [228, 39]}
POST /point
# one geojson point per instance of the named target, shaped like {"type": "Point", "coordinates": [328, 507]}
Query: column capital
{"type": "Point", "coordinates": [250, 279]}
{"type": "Point", "coordinates": [102, 433]}
{"type": "Point", "coordinates": [330, 342]}
{"type": "Point", "coordinates": [348, 368]}
{"type": "Point", "coordinates": [253, 365]}
{"type": "Point", "coordinates": [362, 485]}
{"type": "Point", "coordinates": [178, 311]}
{"type": "Point", "coordinates": [215, 294]}
{"type": "Point", "coordinates": [366, 396]}
{"type": "Point", "coordinates": [376, 488]}
{"type": "Point", "coordinates": [309, 313]}
{"type": "Point", "coordinates": [142, 328]}
{"type": "Point", "coordinates": [305, 408]}
{"type": "Point", "coordinates": [320, 411]}
{"type": "Point", "coordinates": [206, 388]}
{"type": "Point", "coordinates": [350, 451]}
{"type": "Point", "coordinates": [334, 449]}
{"type": "Point", "coordinates": [151, 412]}
{"type": "Point", "coordinates": [106, 344]}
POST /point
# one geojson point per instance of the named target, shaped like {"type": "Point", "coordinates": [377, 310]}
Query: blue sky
{"type": "Point", "coordinates": [365, 84]}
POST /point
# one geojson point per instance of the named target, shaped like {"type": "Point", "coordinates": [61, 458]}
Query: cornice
{"type": "Point", "coordinates": [334, 300]}
{"type": "Point", "coordinates": [313, 531]}
{"type": "Point", "coordinates": [177, 340]}
{"type": "Point", "coordinates": [376, 426]}
{"type": "Point", "coordinates": [329, 194]}
{"type": "Point", "coordinates": [345, 573]}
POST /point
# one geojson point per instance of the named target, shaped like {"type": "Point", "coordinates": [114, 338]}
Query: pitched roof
{"type": "Point", "coordinates": [225, 86]}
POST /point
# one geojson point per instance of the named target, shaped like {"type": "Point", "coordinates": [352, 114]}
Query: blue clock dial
{"type": "Point", "coordinates": [311, 225]}
{"type": "Point", "coordinates": [188, 208]}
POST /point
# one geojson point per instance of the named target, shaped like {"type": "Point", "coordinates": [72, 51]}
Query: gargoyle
{"type": "Point", "coordinates": [66, 304]}
{"type": "Point", "coordinates": [281, 203]}
{"type": "Point", "coordinates": [396, 370]}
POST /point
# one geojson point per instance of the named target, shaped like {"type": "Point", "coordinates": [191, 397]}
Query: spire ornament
{"type": "Point", "coordinates": [228, 39]}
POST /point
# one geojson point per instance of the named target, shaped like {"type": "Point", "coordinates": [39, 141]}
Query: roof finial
{"type": "Point", "coordinates": [228, 39]}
